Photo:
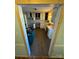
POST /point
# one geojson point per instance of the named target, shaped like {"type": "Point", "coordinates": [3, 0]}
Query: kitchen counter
{"type": "Point", "coordinates": [50, 30]}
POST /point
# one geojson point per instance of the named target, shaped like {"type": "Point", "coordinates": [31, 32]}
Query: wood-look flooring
{"type": "Point", "coordinates": [40, 44]}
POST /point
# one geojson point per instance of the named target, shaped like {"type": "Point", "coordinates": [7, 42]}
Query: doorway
{"type": "Point", "coordinates": [38, 39]}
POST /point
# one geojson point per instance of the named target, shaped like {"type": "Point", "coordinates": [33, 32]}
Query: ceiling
{"type": "Point", "coordinates": [37, 7]}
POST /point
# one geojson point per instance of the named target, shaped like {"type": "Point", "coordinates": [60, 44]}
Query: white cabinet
{"type": "Point", "coordinates": [50, 31]}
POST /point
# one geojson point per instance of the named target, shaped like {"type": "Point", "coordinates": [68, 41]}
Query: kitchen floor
{"type": "Point", "coordinates": [40, 44]}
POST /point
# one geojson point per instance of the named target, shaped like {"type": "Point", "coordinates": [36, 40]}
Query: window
{"type": "Point", "coordinates": [37, 15]}
{"type": "Point", "coordinates": [46, 16]}
{"type": "Point", "coordinates": [30, 14]}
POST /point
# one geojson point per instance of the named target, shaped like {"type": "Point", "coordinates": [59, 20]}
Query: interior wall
{"type": "Point", "coordinates": [25, 18]}
{"type": "Point", "coordinates": [42, 16]}
{"type": "Point", "coordinates": [20, 48]}
{"type": "Point", "coordinates": [24, 29]}
{"type": "Point", "coordinates": [20, 38]}
{"type": "Point", "coordinates": [57, 50]}
{"type": "Point", "coordinates": [50, 13]}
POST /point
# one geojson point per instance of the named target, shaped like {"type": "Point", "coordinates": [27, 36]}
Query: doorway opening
{"type": "Point", "coordinates": [39, 32]}
{"type": "Point", "coordinates": [37, 27]}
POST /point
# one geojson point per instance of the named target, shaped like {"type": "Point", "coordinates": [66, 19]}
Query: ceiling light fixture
{"type": "Point", "coordinates": [35, 8]}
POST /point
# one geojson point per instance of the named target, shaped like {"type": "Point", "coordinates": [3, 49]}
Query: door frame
{"type": "Point", "coordinates": [24, 29]}
{"type": "Point", "coordinates": [60, 11]}
{"type": "Point", "coordinates": [18, 2]}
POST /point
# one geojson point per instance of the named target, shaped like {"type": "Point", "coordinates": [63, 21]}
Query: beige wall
{"type": "Point", "coordinates": [20, 47]}
{"type": "Point", "coordinates": [42, 16]}
{"type": "Point", "coordinates": [50, 13]}
{"type": "Point", "coordinates": [57, 50]}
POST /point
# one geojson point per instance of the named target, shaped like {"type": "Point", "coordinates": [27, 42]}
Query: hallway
{"type": "Point", "coordinates": [40, 44]}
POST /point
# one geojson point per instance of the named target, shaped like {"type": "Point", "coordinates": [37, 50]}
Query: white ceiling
{"type": "Point", "coordinates": [39, 7]}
